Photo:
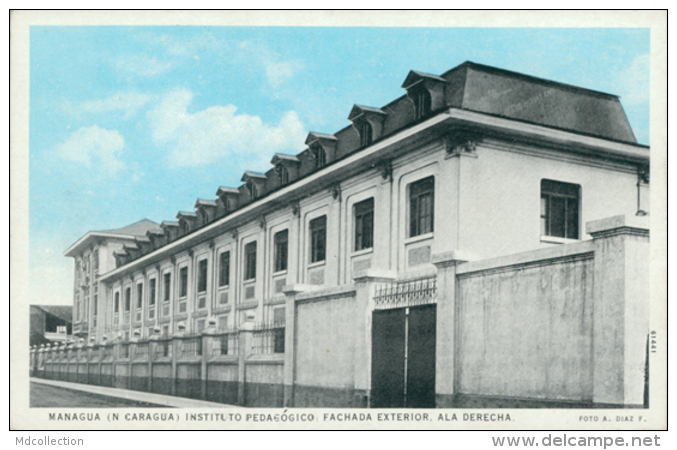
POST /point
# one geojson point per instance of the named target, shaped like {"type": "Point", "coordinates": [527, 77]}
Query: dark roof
{"type": "Point", "coordinates": [251, 174]}
{"type": "Point", "coordinates": [137, 228]}
{"type": "Point", "coordinates": [361, 109]}
{"type": "Point", "coordinates": [513, 95]}
{"type": "Point", "coordinates": [227, 190]}
{"type": "Point", "coordinates": [62, 312]}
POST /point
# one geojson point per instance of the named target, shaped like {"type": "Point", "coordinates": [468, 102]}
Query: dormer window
{"type": "Point", "coordinates": [368, 122]}
{"type": "Point", "coordinates": [283, 173]}
{"type": "Point", "coordinates": [205, 211]}
{"type": "Point", "coordinates": [186, 221]}
{"type": "Point", "coordinates": [320, 157]}
{"type": "Point", "coordinates": [228, 197]}
{"type": "Point", "coordinates": [254, 183]}
{"type": "Point", "coordinates": [422, 103]}
{"type": "Point", "coordinates": [426, 91]}
{"type": "Point", "coordinates": [253, 191]}
{"type": "Point", "coordinates": [322, 148]}
{"type": "Point", "coordinates": [366, 134]}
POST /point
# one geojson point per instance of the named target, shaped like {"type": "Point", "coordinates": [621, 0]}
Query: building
{"type": "Point", "coordinates": [50, 324]}
{"type": "Point", "coordinates": [94, 254]}
{"type": "Point", "coordinates": [344, 275]}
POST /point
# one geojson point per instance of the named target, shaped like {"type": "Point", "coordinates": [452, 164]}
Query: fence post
{"type": "Point", "coordinates": [102, 355]}
{"type": "Point", "coordinates": [445, 341]}
{"type": "Point", "coordinates": [40, 357]}
{"type": "Point", "coordinates": [59, 354]}
{"type": "Point", "coordinates": [289, 341]}
{"type": "Point", "coordinates": [245, 350]}
{"type": "Point", "coordinates": [133, 344]}
{"type": "Point", "coordinates": [621, 309]}
{"type": "Point", "coordinates": [177, 341]}
{"type": "Point", "coordinates": [152, 350]}
{"type": "Point", "coordinates": [31, 369]}
{"type": "Point", "coordinates": [207, 345]}
{"type": "Point", "coordinates": [365, 283]}
{"type": "Point", "coordinates": [90, 347]}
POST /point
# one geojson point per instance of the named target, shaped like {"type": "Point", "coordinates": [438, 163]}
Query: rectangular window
{"type": "Point", "coordinates": [139, 296]}
{"type": "Point", "coordinates": [128, 299]}
{"type": "Point", "coordinates": [422, 103]}
{"type": "Point", "coordinates": [202, 276]}
{"type": "Point", "coordinates": [364, 224]}
{"type": "Point", "coordinates": [365, 131]}
{"type": "Point", "coordinates": [421, 206]}
{"type": "Point", "coordinates": [151, 292]}
{"type": "Point", "coordinates": [95, 305]}
{"type": "Point", "coordinates": [117, 302]}
{"type": "Point", "coordinates": [281, 245]}
{"type": "Point", "coordinates": [167, 288]}
{"type": "Point", "coordinates": [318, 239]}
{"type": "Point", "coordinates": [250, 261]}
{"type": "Point", "coordinates": [183, 282]}
{"type": "Point", "coordinates": [224, 269]}
{"type": "Point", "coordinates": [559, 209]}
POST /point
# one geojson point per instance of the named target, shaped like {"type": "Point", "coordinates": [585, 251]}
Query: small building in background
{"type": "Point", "coordinates": [50, 324]}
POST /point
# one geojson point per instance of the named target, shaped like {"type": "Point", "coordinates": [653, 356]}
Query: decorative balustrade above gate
{"type": "Point", "coordinates": [402, 294]}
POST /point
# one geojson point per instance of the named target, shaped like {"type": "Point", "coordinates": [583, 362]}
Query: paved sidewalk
{"type": "Point", "coordinates": [157, 399]}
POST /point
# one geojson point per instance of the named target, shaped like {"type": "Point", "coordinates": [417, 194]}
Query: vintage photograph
{"type": "Point", "coordinates": [440, 220]}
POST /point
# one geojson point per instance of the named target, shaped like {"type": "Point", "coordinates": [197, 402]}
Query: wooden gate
{"type": "Point", "coordinates": [403, 357]}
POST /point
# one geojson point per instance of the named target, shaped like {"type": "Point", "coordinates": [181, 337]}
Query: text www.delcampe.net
{"type": "Point", "coordinates": [576, 441]}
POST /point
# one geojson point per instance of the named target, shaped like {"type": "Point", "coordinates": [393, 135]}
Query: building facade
{"type": "Point", "coordinates": [477, 164]}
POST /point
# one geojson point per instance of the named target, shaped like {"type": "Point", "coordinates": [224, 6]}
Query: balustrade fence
{"type": "Point", "coordinates": [408, 293]}
{"type": "Point", "coordinates": [211, 365]}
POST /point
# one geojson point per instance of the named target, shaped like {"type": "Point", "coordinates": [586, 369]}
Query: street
{"type": "Point", "coordinates": [44, 396]}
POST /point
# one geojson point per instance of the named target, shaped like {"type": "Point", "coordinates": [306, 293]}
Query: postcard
{"type": "Point", "coordinates": [338, 220]}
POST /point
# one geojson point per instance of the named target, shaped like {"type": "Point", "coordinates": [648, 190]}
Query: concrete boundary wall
{"type": "Point", "coordinates": [564, 326]}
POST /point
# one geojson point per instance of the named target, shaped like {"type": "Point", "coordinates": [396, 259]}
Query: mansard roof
{"type": "Point", "coordinates": [483, 98]}
{"type": "Point", "coordinates": [513, 95]}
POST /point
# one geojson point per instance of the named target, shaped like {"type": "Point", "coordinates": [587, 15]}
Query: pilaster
{"type": "Point", "coordinates": [620, 310]}
{"type": "Point", "coordinates": [445, 341]}
{"type": "Point", "coordinates": [365, 283]}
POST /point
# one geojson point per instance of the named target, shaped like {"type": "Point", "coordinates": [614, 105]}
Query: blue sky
{"type": "Point", "coordinates": [138, 122]}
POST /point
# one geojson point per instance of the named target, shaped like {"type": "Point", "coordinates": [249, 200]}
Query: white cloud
{"type": "Point", "coordinates": [141, 65]}
{"type": "Point", "coordinates": [634, 81]}
{"type": "Point", "coordinates": [94, 143]}
{"type": "Point", "coordinates": [126, 102]}
{"type": "Point", "coordinates": [280, 72]}
{"type": "Point", "coordinates": [216, 132]}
